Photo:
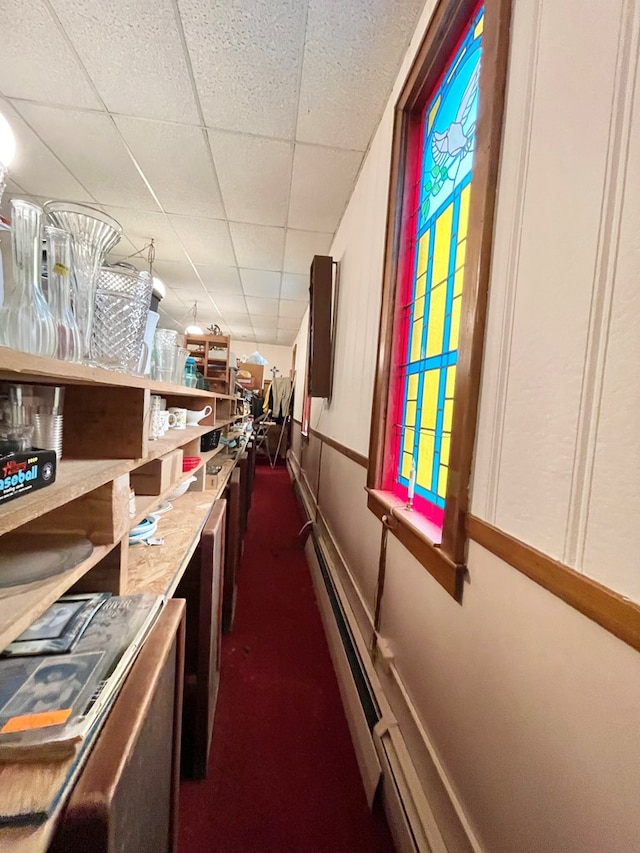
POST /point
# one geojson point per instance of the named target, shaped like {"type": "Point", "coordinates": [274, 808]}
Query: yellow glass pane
{"type": "Point", "coordinates": [461, 254]}
{"type": "Point", "coordinates": [430, 385]}
{"type": "Point", "coordinates": [425, 460]}
{"type": "Point", "coordinates": [418, 311]}
{"type": "Point", "coordinates": [479, 28]}
{"type": "Point", "coordinates": [448, 415]}
{"type": "Point", "coordinates": [433, 111]}
{"type": "Point", "coordinates": [436, 320]}
{"type": "Point", "coordinates": [458, 282]}
{"type": "Point", "coordinates": [445, 448]}
{"type": "Point", "coordinates": [412, 389]}
{"type": "Point", "coordinates": [451, 382]}
{"type": "Point", "coordinates": [442, 246]}
{"type": "Point", "coordinates": [463, 216]}
{"type": "Point", "coordinates": [416, 340]}
{"type": "Point", "coordinates": [406, 464]}
{"type": "Point", "coordinates": [442, 481]}
{"type": "Point", "coordinates": [421, 286]}
{"type": "Point", "coordinates": [423, 254]}
{"type": "Point", "coordinates": [455, 323]}
{"type": "Point", "coordinates": [410, 414]}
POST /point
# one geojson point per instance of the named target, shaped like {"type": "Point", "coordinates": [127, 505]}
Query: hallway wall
{"type": "Point", "coordinates": [530, 707]}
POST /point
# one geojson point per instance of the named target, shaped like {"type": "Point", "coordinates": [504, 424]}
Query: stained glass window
{"type": "Point", "coordinates": [433, 292]}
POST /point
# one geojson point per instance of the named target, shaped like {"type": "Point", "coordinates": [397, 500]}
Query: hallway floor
{"type": "Point", "coordinates": [283, 776]}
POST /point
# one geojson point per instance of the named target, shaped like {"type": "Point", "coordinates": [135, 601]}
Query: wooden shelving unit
{"type": "Point", "coordinates": [106, 426]}
{"type": "Point", "coordinates": [211, 353]}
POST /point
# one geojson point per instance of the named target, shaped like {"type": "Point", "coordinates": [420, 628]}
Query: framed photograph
{"type": "Point", "coordinates": [60, 626]}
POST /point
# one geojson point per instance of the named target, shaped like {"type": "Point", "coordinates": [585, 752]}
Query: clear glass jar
{"type": "Point", "coordinates": [27, 323]}
{"type": "Point", "coordinates": [68, 346]}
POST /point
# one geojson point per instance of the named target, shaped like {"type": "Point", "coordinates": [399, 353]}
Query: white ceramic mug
{"type": "Point", "coordinates": [193, 418]}
{"type": "Point", "coordinates": [180, 416]}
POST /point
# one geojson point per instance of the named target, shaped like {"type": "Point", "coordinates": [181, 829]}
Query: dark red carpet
{"type": "Point", "coordinates": [283, 776]}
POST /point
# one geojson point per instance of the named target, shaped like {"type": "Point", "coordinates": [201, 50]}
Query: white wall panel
{"type": "Point", "coordinates": [556, 269]}
{"type": "Point", "coordinates": [532, 707]}
{"type": "Point", "coordinates": [612, 531]}
{"type": "Point", "coordinates": [354, 527]}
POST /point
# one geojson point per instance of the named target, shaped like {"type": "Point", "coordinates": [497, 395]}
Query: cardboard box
{"type": "Point", "coordinates": [257, 374]}
{"type": "Point", "coordinates": [26, 471]}
{"type": "Point", "coordinates": [156, 476]}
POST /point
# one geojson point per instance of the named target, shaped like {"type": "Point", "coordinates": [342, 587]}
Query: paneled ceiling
{"type": "Point", "coordinates": [229, 131]}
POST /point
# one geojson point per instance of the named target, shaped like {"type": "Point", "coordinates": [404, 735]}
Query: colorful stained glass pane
{"type": "Point", "coordinates": [439, 238]}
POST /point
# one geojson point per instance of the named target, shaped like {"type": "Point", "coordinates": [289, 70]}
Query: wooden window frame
{"type": "Point", "coordinates": [445, 560]}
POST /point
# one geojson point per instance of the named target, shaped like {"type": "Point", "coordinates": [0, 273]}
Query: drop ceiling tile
{"type": "Point", "coordinates": [246, 59]}
{"type": "Point", "coordinates": [288, 324]}
{"type": "Point", "coordinates": [301, 246]}
{"type": "Point", "coordinates": [258, 246]}
{"type": "Point", "coordinates": [35, 168]}
{"type": "Point", "coordinates": [124, 248]}
{"type": "Point", "coordinates": [206, 241]}
{"type": "Point", "coordinates": [261, 283]}
{"type": "Point", "coordinates": [230, 303]}
{"type": "Point", "coordinates": [290, 308]}
{"type": "Point", "coordinates": [254, 176]}
{"type": "Point", "coordinates": [294, 286]}
{"type": "Point", "coordinates": [141, 225]}
{"type": "Point", "coordinates": [30, 35]}
{"type": "Point", "coordinates": [264, 333]}
{"type": "Point", "coordinates": [262, 307]}
{"type": "Point", "coordinates": [220, 279]}
{"type": "Point", "coordinates": [353, 52]}
{"type": "Point", "coordinates": [237, 318]}
{"type": "Point", "coordinates": [177, 274]}
{"type": "Point", "coordinates": [286, 338]}
{"type": "Point", "coordinates": [91, 148]}
{"type": "Point", "coordinates": [176, 161]}
{"type": "Point", "coordinates": [134, 55]}
{"type": "Point", "coordinates": [322, 182]}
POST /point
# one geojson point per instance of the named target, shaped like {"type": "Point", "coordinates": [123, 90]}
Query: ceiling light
{"type": "Point", "coordinates": [194, 328]}
{"type": "Point", "coordinates": [158, 286]}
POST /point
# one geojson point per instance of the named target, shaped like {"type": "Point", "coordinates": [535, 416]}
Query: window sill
{"type": "Point", "coordinates": [421, 537]}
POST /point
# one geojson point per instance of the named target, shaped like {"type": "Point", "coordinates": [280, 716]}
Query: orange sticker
{"type": "Point", "coordinates": [36, 721]}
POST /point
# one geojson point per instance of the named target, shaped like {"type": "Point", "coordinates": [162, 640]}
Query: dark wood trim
{"type": "Point", "coordinates": [477, 272]}
{"type": "Point", "coordinates": [609, 609]}
{"type": "Point", "coordinates": [438, 42]}
{"type": "Point", "coordinates": [449, 575]}
{"type": "Point", "coordinates": [358, 458]}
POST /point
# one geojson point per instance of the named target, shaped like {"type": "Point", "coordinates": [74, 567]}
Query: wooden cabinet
{"type": "Point", "coordinates": [126, 798]}
{"type": "Point", "coordinates": [211, 353]}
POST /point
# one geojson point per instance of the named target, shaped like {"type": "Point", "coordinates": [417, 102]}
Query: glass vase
{"type": "Point", "coordinates": [59, 292]}
{"type": "Point", "coordinates": [93, 234]}
{"type": "Point", "coordinates": [27, 322]}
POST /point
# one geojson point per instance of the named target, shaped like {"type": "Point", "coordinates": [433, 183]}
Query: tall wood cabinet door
{"type": "Point", "coordinates": [232, 554]}
{"type": "Point", "coordinates": [126, 798]}
{"type": "Point", "coordinates": [212, 549]}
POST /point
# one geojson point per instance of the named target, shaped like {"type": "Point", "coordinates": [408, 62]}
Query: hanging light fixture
{"type": "Point", "coordinates": [194, 328]}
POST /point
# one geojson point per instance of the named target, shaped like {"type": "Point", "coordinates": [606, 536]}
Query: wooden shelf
{"type": "Point", "coordinates": [21, 605]}
{"type": "Point", "coordinates": [148, 503]}
{"type": "Point", "coordinates": [75, 478]}
{"type": "Point", "coordinates": [21, 366]}
{"type": "Point", "coordinates": [158, 568]}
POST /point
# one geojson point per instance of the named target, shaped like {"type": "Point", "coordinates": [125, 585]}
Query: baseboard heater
{"type": "Point", "coordinates": [413, 827]}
